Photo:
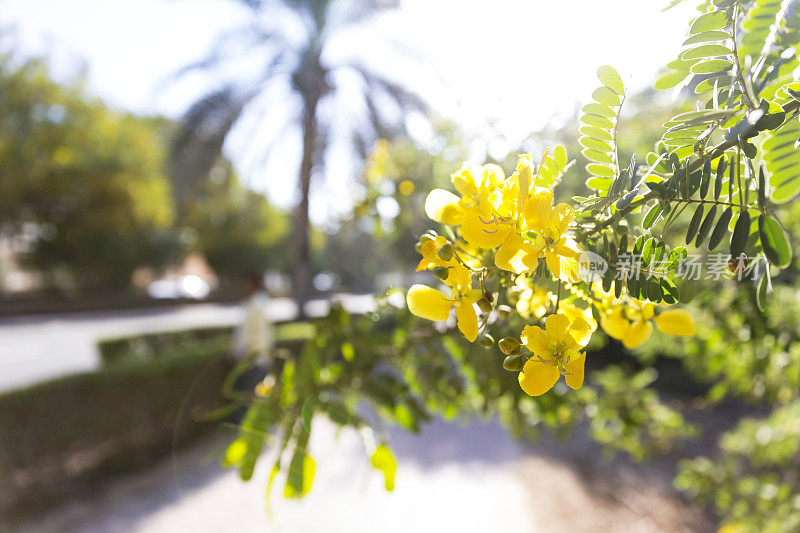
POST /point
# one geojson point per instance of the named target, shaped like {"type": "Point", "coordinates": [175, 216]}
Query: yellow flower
{"type": "Point", "coordinates": [431, 304]}
{"type": "Point", "coordinates": [561, 252]}
{"type": "Point", "coordinates": [582, 334]}
{"type": "Point", "coordinates": [430, 255]}
{"type": "Point", "coordinates": [475, 211]}
{"type": "Point", "coordinates": [555, 350]}
{"type": "Point", "coordinates": [630, 322]}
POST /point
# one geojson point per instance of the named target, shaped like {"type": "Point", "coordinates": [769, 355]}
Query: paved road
{"type": "Point", "coordinates": [37, 348]}
{"type": "Point", "coordinates": [450, 478]}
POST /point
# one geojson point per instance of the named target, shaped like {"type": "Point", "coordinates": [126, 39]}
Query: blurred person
{"type": "Point", "coordinates": [253, 343]}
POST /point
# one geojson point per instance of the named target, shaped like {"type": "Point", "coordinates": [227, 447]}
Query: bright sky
{"type": "Point", "coordinates": [508, 66]}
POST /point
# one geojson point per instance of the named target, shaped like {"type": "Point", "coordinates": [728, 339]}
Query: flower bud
{"type": "Point", "coordinates": [426, 237]}
{"type": "Point", "coordinates": [418, 247]}
{"type": "Point", "coordinates": [441, 272]}
{"type": "Point", "coordinates": [484, 305]}
{"type": "Point", "coordinates": [503, 311]}
{"type": "Point", "coordinates": [513, 363]}
{"type": "Point", "coordinates": [509, 345]}
{"type": "Point", "coordinates": [446, 252]}
{"type": "Point", "coordinates": [487, 341]}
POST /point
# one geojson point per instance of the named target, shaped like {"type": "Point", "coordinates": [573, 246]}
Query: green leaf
{"type": "Point", "coordinates": [706, 50]}
{"type": "Point", "coordinates": [670, 80]}
{"type": "Point", "coordinates": [780, 156]}
{"type": "Point", "coordinates": [600, 184]}
{"type": "Point", "coordinates": [597, 120]}
{"type": "Point", "coordinates": [594, 144]}
{"type": "Point", "coordinates": [654, 293]}
{"type": "Point", "coordinates": [597, 157]}
{"type": "Point", "coordinates": [749, 149]}
{"type": "Point", "coordinates": [705, 179]}
{"type": "Point", "coordinates": [638, 245]}
{"type": "Point", "coordinates": [348, 352]}
{"type": "Point", "coordinates": [711, 66]}
{"type": "Point", "coordinates": [383, 459]}
{"type": "Point", "coordinates": [234, 453]}
{"type": "Point", "coordinates": [675, 258]}
{"type": "Point", "coordinates": [301, 475]}
{"type": "Point", "coordinates": [708, 22]}
{"type": "Point", "coordinates": [764, 288]}
{"type": "Point", "coordinates": [606, 96]}
{"type": "Point", "coordinates": [670, 291]}
{"type": "Point", "coordinates": [774, 241]}
{"type": "Point", "coordinates": [707, 36]}
{"type": "Point", "coordinates": [694, 224]}
{"type": "Point", "coordinates": [599, 109]}
{"type": "Point", "coordinates": [651, 216]}
{"type": "Point", "coordinates": [596, 133]}
{"type": "Point", "coordinates": [720, 229]}
{"type": "Point", "coordinates": [560, 156]}
{"type": "Point", "coordinates": [647, 251]}
{"type": "Point", "coordinates": [600, 170]}
{"type": "Point", "coordinates": [721, 164]}
{"type": "Point", "coordinates": [705, 227]}
{"type": "Point", "coordinates": [741, 232]}
{"type": "Point", "coordinates": [623, 244]}
{"type": "Point", "coordinates": [762, 188]}
{"type": "Point", "coordinates": [270, 482]}
{"type": "Point", "coordinates": [610, 78]}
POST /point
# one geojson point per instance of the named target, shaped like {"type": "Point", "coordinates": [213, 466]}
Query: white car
{"type": "Point", "coordinates": [177, 287]}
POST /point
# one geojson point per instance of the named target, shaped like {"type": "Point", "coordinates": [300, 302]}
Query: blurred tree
{"type": "Point", "coordinates": [236, 229]}
{"type": "Point", "coordinates": [397, 177]}
{"type": "Point", "coordinates": [290, 40]}
{"type": "Point", "coordinates": [82, 186]}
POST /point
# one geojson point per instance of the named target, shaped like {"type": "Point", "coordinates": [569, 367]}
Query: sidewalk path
{"type": "Point", "coordinates": [450, 478]}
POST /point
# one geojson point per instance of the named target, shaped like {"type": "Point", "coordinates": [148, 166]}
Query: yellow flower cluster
{"type": "Point", "coordinates": [507, 229]}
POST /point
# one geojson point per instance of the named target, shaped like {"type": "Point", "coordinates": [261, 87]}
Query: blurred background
{"type": "Point", "coordinates": [153, 153]}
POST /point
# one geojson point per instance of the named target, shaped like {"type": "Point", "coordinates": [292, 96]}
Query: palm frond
{"type": "Point", "coordinates": [203, 131]}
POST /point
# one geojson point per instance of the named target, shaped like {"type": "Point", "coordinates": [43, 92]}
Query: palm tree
{"type": "Point", "coordinates": [287, 41]}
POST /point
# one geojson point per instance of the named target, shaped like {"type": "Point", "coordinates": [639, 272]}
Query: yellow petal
{"type": "Point", "coordinates": [648, 310]}
{"type": "Point", "coordinates": [428, 303]}
{"type": "Point", "coordinates": [466, 180]}
{"type": "Point", "coordinates": [492, 174]}
{"type": "Point", "coordinates": [512, 253]}
{"type": "Point", "coordinates": [557, 326]}
{"type": "Point", "coordinates": [560, 218]}
{"type": "Point", "coordinates": [553, 263]}
{"type": "Point", "coordinates": [639, 332]}
{"type": "Point", "coordinates": [537, 378]}
{"type": "Point", "coordinates": [676, 322]}
{"type": "Point", "coordinates": [615, 324]}
{"type": "Point", "coordinates": [483, 234]}
{"type": "Point", "coordinates": [467, 320]}
{"type": "Point", "coordinates": [537, 210]}
{"type": "Point", "coordinates": [581, 331]}
{"type": "Point", "coordinates": [442, 206]}
{"type": "Point", "coordinates": [575, 367]}
{"type": "Point", "coordinates": [537, 341]}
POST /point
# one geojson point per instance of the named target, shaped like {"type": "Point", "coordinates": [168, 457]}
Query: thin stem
{"type": "Point", "coordinates": [558, 297]}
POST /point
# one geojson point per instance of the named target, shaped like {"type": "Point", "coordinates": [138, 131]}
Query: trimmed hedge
{"type": "Point", "coordinates": [151, 346]}
{"type": "Point", "coordinates": [59, 437]}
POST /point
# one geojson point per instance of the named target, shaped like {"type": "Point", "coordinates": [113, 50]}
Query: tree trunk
{"type": "Point", "coordinates": [302, 259]}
